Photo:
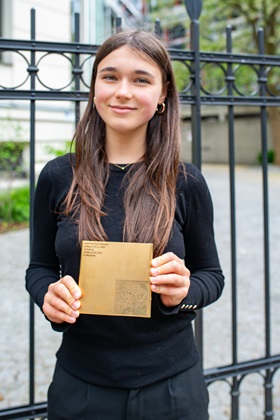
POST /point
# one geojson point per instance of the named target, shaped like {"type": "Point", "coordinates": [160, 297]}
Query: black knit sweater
{"type": "Point", "coordinates": [125, 351]}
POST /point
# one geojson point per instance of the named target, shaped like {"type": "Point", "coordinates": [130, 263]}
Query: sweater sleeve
{"type": "Point", "coordinates": [44, 266]}
{"type": "Point", "coordinates": [206, 280]}
{"type": "Point", "coordinates": [195, 212]}
{"type": "Point", "coordinates": [201, 258]}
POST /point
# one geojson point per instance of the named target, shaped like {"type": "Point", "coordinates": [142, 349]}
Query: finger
{"type": "Point", "coordinates": [165, 258]}
{"type": "Point", "coordinates": [65, 288]}
{"type": "Point", "coordinates": [173, 280]}
{"type": "Point", "coordinates": [173, 266]}
{"type": "Point", "coordinates": [57, 316]}
{"type": "Point", "coordinates": [59, 304]}
{"type": "Point", "coordinates": [72, 286]}
{"type": "Point", "coordinates": [64, 296]}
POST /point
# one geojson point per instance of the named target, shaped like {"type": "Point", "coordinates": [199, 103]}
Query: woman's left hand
{"type": "Point", "coordinates": [170, 278]}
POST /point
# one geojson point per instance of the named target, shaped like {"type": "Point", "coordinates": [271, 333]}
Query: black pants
{"type": "Point", "coordinates": [181, 397]}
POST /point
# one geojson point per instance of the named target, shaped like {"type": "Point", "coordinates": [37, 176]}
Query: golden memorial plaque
{"type": "Point", "coordinates": [115, 278]}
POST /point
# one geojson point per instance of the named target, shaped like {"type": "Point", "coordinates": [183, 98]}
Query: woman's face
{"type": "Point", "coordinates": [128, 89]}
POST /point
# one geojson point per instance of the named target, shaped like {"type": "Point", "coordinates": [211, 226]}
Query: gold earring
{"type": "Point", "coordinates": [161, 111]}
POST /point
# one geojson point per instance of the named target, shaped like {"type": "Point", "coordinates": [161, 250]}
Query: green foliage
{"type": "Point", "coordinates": [160, 4]}
{"type": "Point", "coordinates": [11, 156]}
{"type": "Point", "coordinates": [14, 205]}
{"type": "Point", "coordinates": [245, 17]}
{"type": "Point", "coordinates": [11, 146]}
{"type": "Point", "coordinates": [270, 157]}
{"type": "Point", "coordinates": [181, 74]}
{"type": "Point", "coordinates": [59, 152]}
{"type": "Point", "coordinates": [212, 78]}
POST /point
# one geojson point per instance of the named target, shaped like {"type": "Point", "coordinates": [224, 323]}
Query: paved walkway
{"type": "Point", "coordinates": [14, 307]}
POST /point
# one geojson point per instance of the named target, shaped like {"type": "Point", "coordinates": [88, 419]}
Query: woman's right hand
{"type": "Point", "coordinates": [62, 301]}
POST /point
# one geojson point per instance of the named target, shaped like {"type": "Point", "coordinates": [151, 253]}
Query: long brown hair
{"type": "Point", "coordinates": [150, 195]}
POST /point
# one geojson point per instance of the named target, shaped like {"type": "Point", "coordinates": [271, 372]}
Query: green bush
{"type": "Point", "coordinates": [270, 157]}
{"type": "Point", "coordinates": [14, 205]}
{"type": "Point", "coordinates": [11, 156]}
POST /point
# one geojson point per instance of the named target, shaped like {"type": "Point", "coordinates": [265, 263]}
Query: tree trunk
{"type": "Point", "coordinates": [274, 121]}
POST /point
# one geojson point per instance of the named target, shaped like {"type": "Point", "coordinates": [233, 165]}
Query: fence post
{"type": "Point", "coordinates": [194, 8]}
{"type": "Point", "coordinates": [77, 67]}
{"type": "Point", "coordinates": [268, 374]}
{"type": "Point", "coordinates": [32, 70]}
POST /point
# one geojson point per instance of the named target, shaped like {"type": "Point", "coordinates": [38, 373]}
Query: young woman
{"type": "Point", "coordinates": [125, 183]}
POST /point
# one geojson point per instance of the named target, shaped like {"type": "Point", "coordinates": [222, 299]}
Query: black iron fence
{"type": "Point", "coordinates": [194, 94]}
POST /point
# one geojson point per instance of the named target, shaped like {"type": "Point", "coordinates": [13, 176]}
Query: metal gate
{"type": "Point", "coordinates": [195, 96]}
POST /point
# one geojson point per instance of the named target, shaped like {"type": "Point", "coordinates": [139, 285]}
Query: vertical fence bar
{"type": "Point", "coordinates": [196, 132]}
{"type": "Point", "coordinates": [231, 139]}
{"type": "Point", "coordinates": [196, 107]}
{"type": "Point", "coordinates": [194, 8]}
{"type": "Point", "coordinates": [196, 147]}
{"type": "Point", "coordinates": [77, 67]}
{"type": "Point", "coordinates": [32, 188]}
{"type": "Point", "coordinates": [262, 83]}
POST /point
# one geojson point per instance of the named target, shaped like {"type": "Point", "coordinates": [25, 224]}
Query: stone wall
{"type": "Point", "coordinates": [247, 129]}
